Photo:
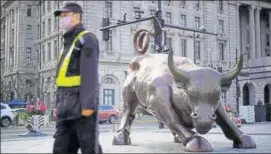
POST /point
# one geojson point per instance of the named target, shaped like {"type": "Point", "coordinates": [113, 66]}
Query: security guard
{"type": "Point", "coordinates": [77, 85]}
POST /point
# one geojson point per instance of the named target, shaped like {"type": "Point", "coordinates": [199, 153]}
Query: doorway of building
{"type": "Point", "coordinates": [246, 99]}
{"type": "Point", "coordinates": [267, 102]}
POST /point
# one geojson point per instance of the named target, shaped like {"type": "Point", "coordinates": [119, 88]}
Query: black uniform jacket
{"type": "Point", "coordinates": [84, 62]}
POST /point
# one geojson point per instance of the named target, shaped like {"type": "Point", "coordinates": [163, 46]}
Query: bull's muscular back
{"type": "Point", "coordinates": [156, 66]}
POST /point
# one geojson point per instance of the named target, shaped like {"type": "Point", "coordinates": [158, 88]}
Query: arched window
{"type": "Point", "coordinates": [246, 95]}
{"type": "Point", "coordinates": [108, 91]}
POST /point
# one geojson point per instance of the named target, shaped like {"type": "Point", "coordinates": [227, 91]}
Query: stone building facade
{"type": "Point", "coordinates": [241, 27]}
{"type": "Point", "coordinates": [18, 48]}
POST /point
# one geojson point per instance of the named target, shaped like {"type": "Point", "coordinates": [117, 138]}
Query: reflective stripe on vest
{"type": "Point", "coordinates": [68, 81]}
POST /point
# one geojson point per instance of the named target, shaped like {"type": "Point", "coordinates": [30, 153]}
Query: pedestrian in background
{"type": "Point", "coordinates": [77, 85]}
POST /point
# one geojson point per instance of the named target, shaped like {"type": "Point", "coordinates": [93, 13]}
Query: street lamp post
{"type": "Point", "coordinates": [237, 86]}
{"type": "Point", "coordinates": [194, 44]}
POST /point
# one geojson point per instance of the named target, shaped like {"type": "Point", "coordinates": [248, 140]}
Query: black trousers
{"type": "Point", "coordinates": [74, 134]}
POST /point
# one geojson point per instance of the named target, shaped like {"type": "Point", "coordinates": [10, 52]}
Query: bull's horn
{"type": "Point", "coordinates": [230, 75]}
{"type": "Point", "coordinates": [177, 73]}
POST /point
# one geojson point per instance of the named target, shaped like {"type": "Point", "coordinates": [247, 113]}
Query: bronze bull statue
{"type": "Point", "coordinates": [183, 96]}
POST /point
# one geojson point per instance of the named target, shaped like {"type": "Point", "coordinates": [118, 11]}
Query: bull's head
{"type": "Point", "coordinates": [203, 87]}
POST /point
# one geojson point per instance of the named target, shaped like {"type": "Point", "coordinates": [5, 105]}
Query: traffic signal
{"type": "Point", "coordinates": [106, 22]}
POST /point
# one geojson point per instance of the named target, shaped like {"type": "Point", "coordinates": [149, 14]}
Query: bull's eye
{"type": "Point", "coordinates": [195, 115]}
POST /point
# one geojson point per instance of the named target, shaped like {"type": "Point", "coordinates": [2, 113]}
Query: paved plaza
{"type": "Point", "coordinates": [149, 140]}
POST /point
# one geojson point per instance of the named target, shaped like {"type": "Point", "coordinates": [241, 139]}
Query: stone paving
{"type": "Point", "coordinates": [150, 141]}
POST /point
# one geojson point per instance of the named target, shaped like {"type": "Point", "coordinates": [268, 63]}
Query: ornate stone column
{"type": "Point", "coordinates": [258, 33]}
{"type": "Point", "coordinates": [252, 31]}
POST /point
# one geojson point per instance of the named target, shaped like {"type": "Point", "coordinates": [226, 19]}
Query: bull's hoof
{"type": "Point", "coordinates": [245, 142]}
{"type": "Point", "coordinates": [121, 139]}
{"type": "Point", "coordinates": [198, 144]}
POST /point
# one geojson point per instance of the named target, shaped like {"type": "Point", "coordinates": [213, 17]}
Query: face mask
{"type": "Point", "coordinates": [65, 23]}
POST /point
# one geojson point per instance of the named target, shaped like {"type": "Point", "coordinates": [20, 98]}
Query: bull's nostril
{"type": "Point", "coordinates": [194, 115]}
{"type": "Point", "coordinates": [214, 116]}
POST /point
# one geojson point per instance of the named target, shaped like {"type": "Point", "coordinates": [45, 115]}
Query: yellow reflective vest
{"type": "Point", "coordinates": [62, 80]}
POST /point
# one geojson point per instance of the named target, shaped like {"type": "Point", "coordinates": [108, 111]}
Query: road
{"type": "Point", "coordinates": [146, 138]}
{"type": "Point", "coordinates": [10, 133]}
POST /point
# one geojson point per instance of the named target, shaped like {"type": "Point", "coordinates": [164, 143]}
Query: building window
{"type": "Point", "coordinates": [43, 7]}
{"type": "Point", "coordinates": [29, 10]}
{"type": "Point", "coordinates": [152, 12]}
{"type": "Point", "coordinates": [49, 51]}
{"type": "Point", "coordinates": [197, 4]}
{"type": "Point", "coordinates": [221, 51]}
{"type": "Point", "coordinates": [168, 17]}
{"type": "Point", "coordinates": [183, 2]}
{"type": "Point", "coordinates": [2, 65]}
{"type": "Point", "coordinates": [221, 26]}
{"type": "Point", "coordinates": [28, 56]}
{"type": "Point", "coordinates": [108, 97]}
{"type": "Point", "coordinates": [137, 13]}
{"type": "Point", "coordinates": [224, 97]}
{"type": "Point", "coordinates": [38, 27]}
{"type": "Point", "coordinates": [55, 49]}
{"type": "Point", "coordinates": [183, 47]}
{"type": "Point", "coordinates": [43, 53]}
{"type": "Point", "coordinates": [183, 20]}
{"type": "Point", "coordinates": [49, 6]}
{"type": "Point", "coordinates": [12, 16]}
{"type": "Point", "coordinates": [197, 49]}
{"type": "Point", "coordinates": [42, 82]}
{"type": "Point", "coordinates": [43, 29]}
{"type": "Point", "coordinates": [55, 4]}
{"type": "Point", "coordinates": [11, 57]}
{"type": "Point", "coordinates": [220, 5]}
{"type": "Point", "coordinates": [3, 31]}
{"type": "Point", "coordinates": [61, 43]}
{"type": "Point", "coordinates": [55, 23]}
{"type": "Point", "coordinates": [108, 44]}
{"type": "Point", "coordinates": [29, 27]}
{"type": "Point", "coordinates": [12, 36]}
{"type": "Point", "coordinates": [197, 22]}
{"type": "Point", "coordinates": [48, 81]}
{"type": "Point", "coordinates": [108, 9]}
{"type": "Point", "coordinates": [49, 26]}
{"type": "Point", "coordinates": [9, 85]}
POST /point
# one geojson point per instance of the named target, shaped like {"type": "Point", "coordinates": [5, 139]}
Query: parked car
{"type": "Point", "coordinates": [108, 113]}
{"type": "Point", "coordinates": [19, 110]}
{"type": "Point", "coordinates": [7, 115]}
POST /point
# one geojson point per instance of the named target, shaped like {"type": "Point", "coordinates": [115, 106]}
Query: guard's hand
{"type": "Point", "coordinates": [55, 113]}
{"type": "Point", "coordinates": [87, 112]}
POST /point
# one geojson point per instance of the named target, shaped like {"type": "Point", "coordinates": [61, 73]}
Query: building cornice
{"type": "Point", "coordinates": [5, 4]}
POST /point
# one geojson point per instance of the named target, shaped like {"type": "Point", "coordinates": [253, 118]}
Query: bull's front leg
{"type": "Point", "coordinates": [130, 104]}
{"type": "Point", "coordinates": [160, 103]}
{"type": "Point", "coordinates": [231, 131]}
